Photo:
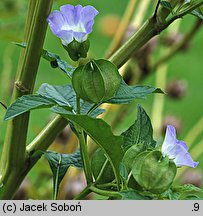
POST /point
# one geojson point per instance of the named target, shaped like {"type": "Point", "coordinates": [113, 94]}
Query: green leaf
{"type": "Point", "coordinates": [27, 103]}
{"type": "Point", "coordinates": [54, 59]}
{"type": "Point", "coordinates": [65, 96]}
{"type": "Point", "coordinates": [126, 94]}
{"type": "Point", "coordinates": [140, 132]}
{"type": "Point", "coordinates": [60, 163]}
{"type": "Point", "coordinates": [166, 5]}
{"type": "Point", "coordinates": [187, 188]}
{"type": "Point", "coordinates": [101, 133]}
{"type": "Point", "coordinates": [131, 194]}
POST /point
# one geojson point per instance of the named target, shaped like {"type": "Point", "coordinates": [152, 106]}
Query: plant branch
{"type": "Point", "coordinates": [47, 135]}
{"type": "Point", "coordinates": [184, 12]}
{"type": "Point", "coordinates": [149, 29]}
{"type": "Point", "coordinates": [14, 154]}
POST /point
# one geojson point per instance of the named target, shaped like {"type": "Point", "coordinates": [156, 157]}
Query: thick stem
{"type": "Point", "coordinates": [47, 136]}
{"type": "Point", "coordinates": [14, 154]}
{"type": "Point", "coordinates": [149, 29]}
{"type": "Point", "coordinates": [143, 35]}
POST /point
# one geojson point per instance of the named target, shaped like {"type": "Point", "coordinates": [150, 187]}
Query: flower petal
{"type": "Point", "coordinates": [176, 150]}
{"type": "Point", "coordinates": [65, 36]}
{"type": "Point", "coordinates": [183, 144]}
{"type": "Point", "coordinates": [71, 14]}
{"type": "Point", "coordinates": [185, 159]}
{"type": "Point", "coordinates": [168, 147]}
{"type": "Point", "coordinates": [80, 36]}
{"type": "Point", "coordinates": [72, 22]}
{"type": "Point", "coordinates": [88, 26]}
{"type": "Point", "coordinates": [56, 21]}
{"type": "Point", "coordinates": [87, 17]}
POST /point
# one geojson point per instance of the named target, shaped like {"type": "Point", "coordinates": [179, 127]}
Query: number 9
{"type": "Point", "coordinates": [196, 207]}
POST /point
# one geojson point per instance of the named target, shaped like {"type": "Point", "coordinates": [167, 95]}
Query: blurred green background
{"type": "Point", "coordinates": [184, 74]}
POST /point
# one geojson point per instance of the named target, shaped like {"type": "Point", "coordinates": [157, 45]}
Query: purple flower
{"type": "Point", "coordinates": [176, 150]}
{"type": "Point", "coordinates": [72, 22]}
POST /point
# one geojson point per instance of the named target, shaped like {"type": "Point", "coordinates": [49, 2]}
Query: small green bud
{"type": "Point", "coordinates": [154, 172]}
{"type": "Point", "coordinates": [97, 81]}
{"type": "Point", "coordinates": [77, 50]}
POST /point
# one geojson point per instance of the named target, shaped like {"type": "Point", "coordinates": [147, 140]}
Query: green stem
{"type": "Point", "coordinates": [83, 148]}
{"type": "Point", "coordinates": [14, 154]}
{"type": "Point", "coordinates": [104, 192]}
{"type": "Point", "coordinates": [94, 107]}
{"type": "Point", "coordinates": [184, 12]}
{"type": "Point", "coordinates": [149, 29]}
{"type": "Point", "coordinates": [78, 104]}
{"type": "Point", "coordinates": [83, 194]}
{"type": "Point", "coordinates": [102, 170]}
{"type": "Point", "coordinates": [100, 186]}
{"type": "Point", "coordinates": [143, 35]}
{"type": "Point", "coordinates": [47, 136]}
{"type": "Point", "coordinates": [85, 156]}
{"type": "Point", "coordinates": [57, 180]}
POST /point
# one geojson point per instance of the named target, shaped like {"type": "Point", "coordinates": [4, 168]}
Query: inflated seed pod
{"type": "Point", "coordinates": [154, 172]}
{"type": "Point", "coordinates": [97, 81]}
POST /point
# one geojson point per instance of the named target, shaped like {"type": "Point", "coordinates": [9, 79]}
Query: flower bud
{"type": "Point", "coordinates": [77, 50]}
{"type": "Point", "coordinates": [97, 81]}
{"type": "Point", "coordinates": [154, 172]}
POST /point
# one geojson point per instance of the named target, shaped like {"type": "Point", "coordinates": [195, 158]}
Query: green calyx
{"type": "Point", "coordinates": [77, 50]}
{"type": "Point", "coordinates": [97, 81]}
{"type": "Point", "coordinates": [154, 172]}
